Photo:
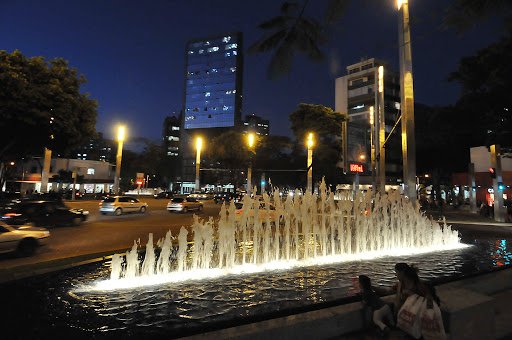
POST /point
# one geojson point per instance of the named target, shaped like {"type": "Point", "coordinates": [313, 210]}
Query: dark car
{"type": "Point", "coordinates": [163, 194]}
{"type": "Point", "coordinates": [224, 197]}
{"type": "Point", "coordinates": [44, 214]}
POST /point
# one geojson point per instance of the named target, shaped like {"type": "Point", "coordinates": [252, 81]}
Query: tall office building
{"type": "Point", "coordinates": [212, 101]}
{"type": "Point", "coordinates": [96, 149]}
{"type": "Point", "coordinates": [256, 124]}
{"type": "Point", "coordinates": [356, 92]}
{"type": "Point", "coordinates": [171, 136]}
{"type": "Point", "coordinates": [213, 90]}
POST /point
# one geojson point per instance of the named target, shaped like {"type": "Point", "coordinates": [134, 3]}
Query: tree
{"type": "Point", "coordinates": [40, 102]}
{"type": "Point", "coordinates": [486, 80]}
{"type": "Point", "coordinates": [326, 126]}
{"type": "Point", "coordinates": [464, 14]}
{"type": "Point", "coordinates": [288, 33]}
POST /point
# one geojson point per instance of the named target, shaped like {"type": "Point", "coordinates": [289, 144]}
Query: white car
{"type": "Point", "coordinates": [24, 239]}
{"type": "Point", "coordinates": [119, 205]}
{"type": "Point", "coordinates": [184, 204]}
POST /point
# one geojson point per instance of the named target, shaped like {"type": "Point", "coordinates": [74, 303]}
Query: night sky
{"type": "Point", "coordinates": [132, 52]}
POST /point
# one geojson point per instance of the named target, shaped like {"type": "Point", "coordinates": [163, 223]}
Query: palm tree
{"type": "Point", "coordinates": [464, 14]}
{"type": "Point", "coordinates": [292, 32]}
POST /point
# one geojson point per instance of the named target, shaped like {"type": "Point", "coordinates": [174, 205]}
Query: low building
{"type": "Point", "coordinates": [91, 176]}
{"type": "Point", "coordinates": [481, 158]}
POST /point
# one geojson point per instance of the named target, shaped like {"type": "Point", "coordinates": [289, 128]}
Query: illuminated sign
{"type": "Point", "coordinates": [358, 168]}
{"type": "Point", "coordinates": [139, 182]}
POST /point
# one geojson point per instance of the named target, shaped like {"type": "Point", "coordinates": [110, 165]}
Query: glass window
{"type": "Point", "coordinates": [124, 199]}
{"type": "Point", "coordinates": [109, 199]}
{"type": "Point", "coordinates": [90, 171]}
{"type": "Point", "coordinates": [177, 200]}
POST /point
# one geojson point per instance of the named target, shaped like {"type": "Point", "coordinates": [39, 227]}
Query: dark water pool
{"type": "Point", "coordinates": [54, 305]}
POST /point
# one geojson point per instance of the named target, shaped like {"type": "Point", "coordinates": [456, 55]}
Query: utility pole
{"type": "Point", "coordinates": [382, 132]}
{"type": "Point", "coordinates": [472, 192]}
{"type": "Point", "coordinates": [497, 184]}
{"type": "Point", "coordinates": [45, 174]}
{"type": "Point", "coordinates": [407, 102]}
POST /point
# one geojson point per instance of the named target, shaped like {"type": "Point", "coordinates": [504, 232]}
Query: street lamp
{"type": "Point", "coordinates": [199, 145]}
{"type": "Point", "coordinates": [310, 143]}
{"type": "Point", "coordinates": [407, 101]}
{"type": "Point", "coordinates": [121, 134]}
{"type": "Point", "coordinates": [251, 138]}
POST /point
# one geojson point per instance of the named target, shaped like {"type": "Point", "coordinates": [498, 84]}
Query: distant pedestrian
{"type": "Point", "coordinates": [381, 312]}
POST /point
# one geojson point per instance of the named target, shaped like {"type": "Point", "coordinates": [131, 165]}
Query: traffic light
{"type": "Point", "coordinates": [492, 172]}
{"type": "Point", "coordinates": [501, 186]}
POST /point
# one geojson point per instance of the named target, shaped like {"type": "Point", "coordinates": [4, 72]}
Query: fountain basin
{"type": "Point", "coordinates": [61, 304]}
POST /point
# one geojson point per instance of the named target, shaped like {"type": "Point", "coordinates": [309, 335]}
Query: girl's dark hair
{"type": "Point", "coordinates": [401, 267]}
{"type": "Point", "coordinates": [412, 273]}
{"type": "Point", "coordinates": [365, 282]}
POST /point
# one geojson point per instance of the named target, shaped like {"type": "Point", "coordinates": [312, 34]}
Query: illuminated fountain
{"type": "Point", "coordinates": [276, 234]}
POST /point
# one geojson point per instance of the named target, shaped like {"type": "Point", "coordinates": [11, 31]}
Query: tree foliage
{"type": "Point", "coordinates": [464, 14]}
{"type": "Point", "coordinates": [32, 92]}
{"type": "Point", "coordinates": [486, 80]}
{"type": "Point", "coordinates": [325, 124]}
{"type": "Point", "coordinates": [289, 33]}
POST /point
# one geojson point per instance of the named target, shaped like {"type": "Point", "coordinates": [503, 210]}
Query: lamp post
{"type": "Point", "coordinates": [407, 101]}
{"type": "Point", "coordinates": [372, 146]}
{"type": "Point", "coordinates": [121, 132]}
{"type": "Point", "coordinates": [199, 145]}
{"type": "Point", "coordinates": [250, 143]}
{"type": "Point", "coordinates": [310, 144]}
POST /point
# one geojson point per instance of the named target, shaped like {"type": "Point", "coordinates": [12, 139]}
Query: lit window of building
{"type": "Point", "coordinates": [90, 171]}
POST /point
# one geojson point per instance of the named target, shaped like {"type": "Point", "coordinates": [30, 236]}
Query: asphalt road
{"type": "Point", "coordinates": [103, 233]}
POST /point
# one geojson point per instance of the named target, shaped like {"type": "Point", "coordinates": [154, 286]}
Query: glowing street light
{"type": "Point", "coordinates": [407, 101]}
{"type": "Point", "coordinates": [199, 146]}
{"type": "Point", "coordinates": [251, 140]}
{"type": "Point", "coordinates": [310, 143]}
{"type": "Point", "coordinates": [121, 135]}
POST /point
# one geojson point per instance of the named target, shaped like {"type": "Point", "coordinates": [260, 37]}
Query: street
{"type": "Point", "coordinates": [103, 233]}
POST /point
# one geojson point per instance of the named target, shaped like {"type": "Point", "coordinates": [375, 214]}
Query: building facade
{"type": "Point", "coordinates": [96, 149]}
{"type": "Point", "coordinates": [357, 93]}
{"type": "Point", "coordinates": [171, 136]}
{"type": "Point", "coordinates": [212, 99]}
{"type": "Point", "coordinates": [213, 82]}
{"type": "Point", "coordinates": [92, 176]}
{"type": "Point", "coordinates": [256, 124]}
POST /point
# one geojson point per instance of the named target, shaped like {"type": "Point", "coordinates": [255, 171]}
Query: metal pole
{"type": "Point", "coordinates": [249, 178]}
{"type": "Point", "coordinates": [344, 141]}
{"type": "Point", "coordinates": [472, 188]}
{"type": "Point", "coordinates": [73, 190]}
{"type": "Point", "coordinates": [382, 133]}
{"type": "Point", "coordinates": [45, 174]}
{"type": "Point", "coordinates": [119, 157]}
{"type": "Point", "coordinates": [198, 167]}
{"type": "Point", "coordinates": [309, 185]}
{"type": "Point", "coordinates": [499, 211]}
{"type": "Point", "coordinates": [407, 103]}
{"type": "Point", "coordinates": [372, 146]}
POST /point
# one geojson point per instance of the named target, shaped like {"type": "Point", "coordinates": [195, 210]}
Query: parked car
{"type": "Point", "coordinates": [24, 239]}
{"type": "Point", "coordinates": [263, 212]}
{"type": "Point", "coordinates": [201, 195]}
{"type": "Point", "coordinates": [44, 214]}
{"type": "Point", "coordinates": [184, 204]}
{"type": "Point", "coordinates": [118, 205]}
{"type": "Point", "coordinates": [163, 194]}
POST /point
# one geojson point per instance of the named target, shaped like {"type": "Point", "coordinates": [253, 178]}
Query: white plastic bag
{"type": "Point", "coordinates": [408, 318]}
{"type": "Point", "coordinates": [431, 323]}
